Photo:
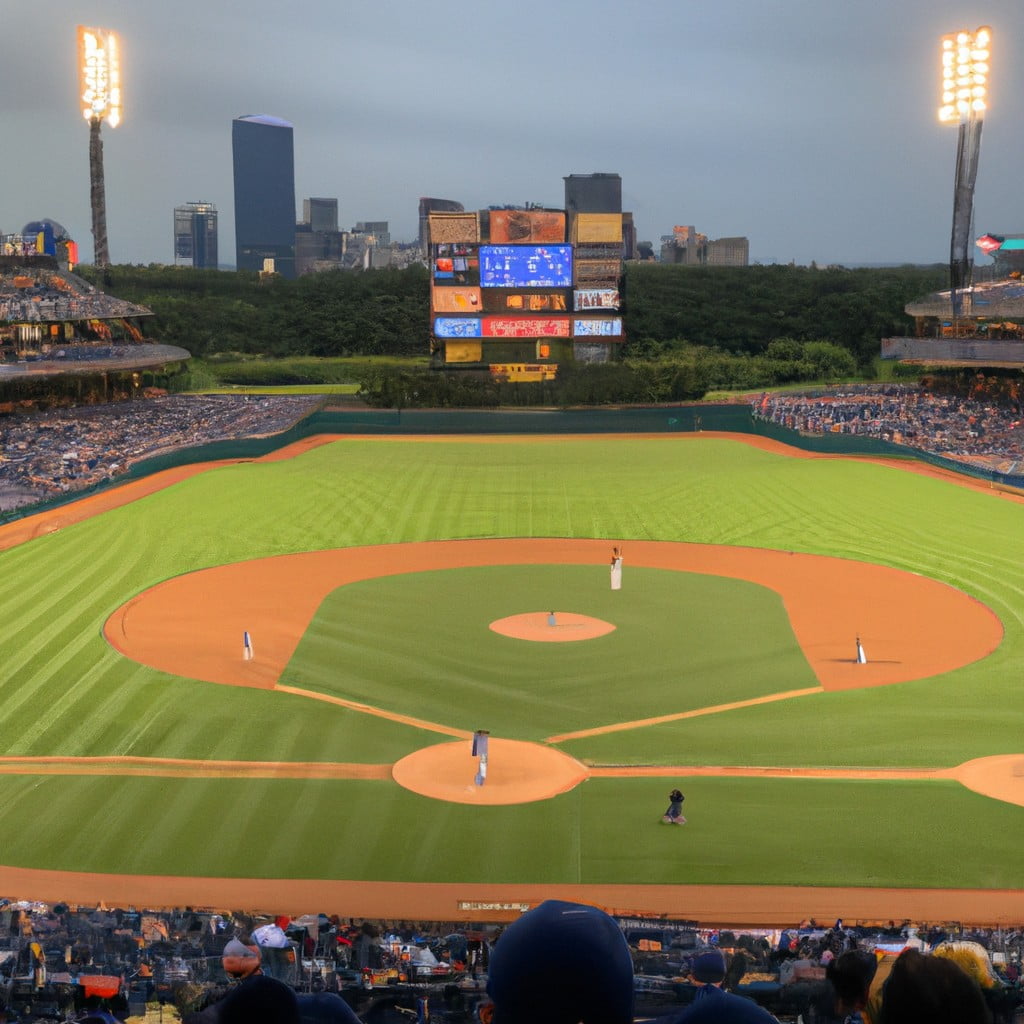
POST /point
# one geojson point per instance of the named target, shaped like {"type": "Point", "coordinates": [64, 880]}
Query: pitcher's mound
{"type": "Point", "coordinates": [567, 626]}
{"type": "Point", "coordinates": [517, 772]}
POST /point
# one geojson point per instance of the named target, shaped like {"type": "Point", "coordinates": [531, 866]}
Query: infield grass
{"type": "Point", "coordinates": [442, 662]}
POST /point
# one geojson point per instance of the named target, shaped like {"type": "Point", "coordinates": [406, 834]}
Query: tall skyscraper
{"type": "Point", "coordinates": [264, 167]}
{"type": "Point", "coordinates": [195, 235]}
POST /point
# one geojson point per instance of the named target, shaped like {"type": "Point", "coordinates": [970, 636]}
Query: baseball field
{"type": "Point", "coordinates": [399, 592]}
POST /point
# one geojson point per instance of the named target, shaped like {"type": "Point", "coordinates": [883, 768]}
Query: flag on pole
{"type": "Point", "coordinates": [247, 651]}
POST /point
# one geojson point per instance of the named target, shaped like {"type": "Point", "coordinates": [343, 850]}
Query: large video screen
{"type": "Point", "coordinates": [525, 266]}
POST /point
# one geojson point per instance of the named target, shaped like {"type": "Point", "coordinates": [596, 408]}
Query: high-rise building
{"type": "Point", "coordinates": [319, 245]}
{"type": "Point", "coordinates": [429, 206]}
{"type": "Point", "coordinates": [378, 229]}
{"type": "Point", "coordinates": [686, 245]}
{"type": "Point", "coordinates": [629, 243]}
{"type": "Point", "coordinates": [195, 235]}
{"type": "Point", "coordinates": [264, 170]}
{"type": "Point", "coordinates": [593, 193]}
{"type": "Point", "coordinates": [600, 194]}
{"type": "Point", "coordinates": [729, 252]}
{"type": "Point", "coordinates": [320, 214]}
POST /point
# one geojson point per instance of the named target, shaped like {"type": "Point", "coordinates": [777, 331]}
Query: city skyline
{"type": "Point", "coordinates": [809, 128]}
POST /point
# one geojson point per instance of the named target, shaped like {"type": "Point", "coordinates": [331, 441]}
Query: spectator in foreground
{"type": "Point", "coordinates": [845, 993]}
{"type": "Point", "coordinates": [561, 963]}
{"type": "Point", "coordinates": [711, 1005]}
{"type": "Point", "coordinates": [259, 1000]}
{"type": "Point", "coordinates": [245, 964]}
{"type": "Point", "coordinates": [926, 989]}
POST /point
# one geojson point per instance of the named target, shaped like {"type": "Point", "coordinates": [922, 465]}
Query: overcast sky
{"type": "Point", "coordinates": [808, 126]}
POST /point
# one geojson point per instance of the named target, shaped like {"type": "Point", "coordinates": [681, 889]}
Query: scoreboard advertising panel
{"type": "Point", "coordinates": [455, 300]}
{"type": "Point", "coordinates": [502, 327]}
{"type": "Point", "coordinates": [500, 300]}
{"type": "Point", "coordinates": [521, 226]}
{"type": "Point", "coordinates": [596, 298]}
{"type": "Point", "coordinates": [592, 327]}
{"type": "Point", "coordinates": [526, 266]}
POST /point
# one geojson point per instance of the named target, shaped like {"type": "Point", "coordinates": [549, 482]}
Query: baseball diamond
{"type": "Point", "coordinates": [397, 595]}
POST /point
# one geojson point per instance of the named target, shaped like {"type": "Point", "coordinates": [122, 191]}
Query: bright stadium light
{"type": "Point", "coordinates": [99, 68]}
{"type": "Point", "coordinates": [965, 68]}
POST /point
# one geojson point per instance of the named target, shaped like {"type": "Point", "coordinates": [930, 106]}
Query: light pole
{"type": "Point", "coordinates": [965, 68]}
{"type": "Point", "coordinates": [99, 66]}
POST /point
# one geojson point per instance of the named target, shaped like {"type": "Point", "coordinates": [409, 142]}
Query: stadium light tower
{"type": "Point", "coordinates": [965, 69]}
{"type": "Point", "coordinates": [99, 67]}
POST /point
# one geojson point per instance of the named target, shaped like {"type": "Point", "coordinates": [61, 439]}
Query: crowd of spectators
{"type": "Point", "coordinates": [41, 295]}
{"type": "Point", "coordinates": [43, 454]}
{"type": "Point", "coordinates": [558, 963]}
{"type": "Point", "coordinates": [975, 428]}
{"type": "Point", "coordinates": [87, 353]}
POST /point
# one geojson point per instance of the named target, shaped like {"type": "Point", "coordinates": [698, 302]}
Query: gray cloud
{"type": "Point", "coordinates": [807, 125]}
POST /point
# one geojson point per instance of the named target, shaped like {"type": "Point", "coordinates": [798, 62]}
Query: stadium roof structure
{"type": "Point", "coordinates": [988, 301]}
{"type": "Point", "coordinates": [34, 290]}
{"type": "Point", "coordinates": [999, 299]}
{"type": "Point", "coordinates": [988, 330]}
{"type": "Point", "coordinates": [55, 324]}
{"type": "Point", "coordinates": [103, 359]}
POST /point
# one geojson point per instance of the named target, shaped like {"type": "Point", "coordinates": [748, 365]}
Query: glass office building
{"type": "Point", "coordinates": [264, 171]}
{"type": "Point", "coordinates": [195, 235]}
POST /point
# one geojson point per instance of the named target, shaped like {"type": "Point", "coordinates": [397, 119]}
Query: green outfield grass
{"type": "Point", "coordinates": [418, 643]}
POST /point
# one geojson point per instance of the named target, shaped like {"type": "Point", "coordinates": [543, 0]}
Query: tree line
{"type": "Point", "coordinates": [688, 329]}
{"type": "Point", "coordinates": [739, 310]}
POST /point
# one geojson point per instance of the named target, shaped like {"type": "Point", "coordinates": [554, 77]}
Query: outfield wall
{"type": "Point", "coordinates": [732, 418]}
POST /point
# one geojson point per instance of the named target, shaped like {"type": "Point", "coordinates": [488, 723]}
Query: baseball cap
{"type": "Point", "coordinates": [561, 963]}
{"type": "Point", "coordinates": [709, 966]}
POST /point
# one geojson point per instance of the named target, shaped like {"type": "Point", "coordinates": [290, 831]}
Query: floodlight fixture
{"type": "Point", "coordinates": [965, 69]}
{"type": "Point", "coordinates": [99, 66]}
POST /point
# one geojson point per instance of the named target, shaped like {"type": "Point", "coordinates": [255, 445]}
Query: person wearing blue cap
{"type": "Point", "coordinates": [561, 963]}
{"type": "Point", "coordinates": [713, 1006]}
